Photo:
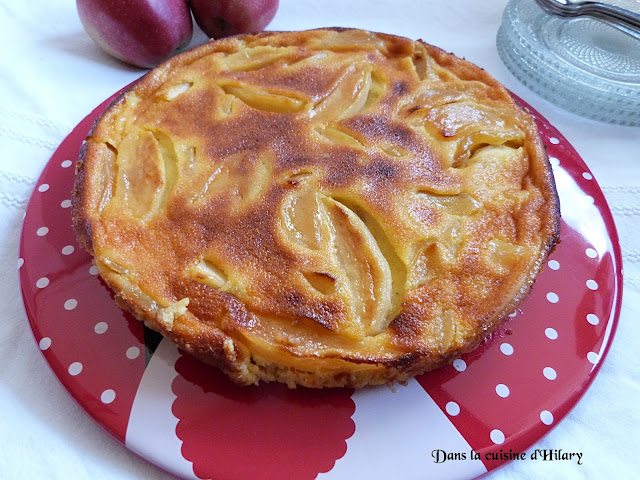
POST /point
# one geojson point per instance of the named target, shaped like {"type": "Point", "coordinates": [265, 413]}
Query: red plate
{"type": "Point", "coordinates": [188, 419]}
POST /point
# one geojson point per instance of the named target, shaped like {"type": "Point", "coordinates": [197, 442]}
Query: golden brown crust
{"type": "Point", "coordinates": [331, 207]}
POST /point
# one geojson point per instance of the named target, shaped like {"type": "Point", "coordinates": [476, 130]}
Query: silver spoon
{"type": "Point", "coordinates": [622, 14]}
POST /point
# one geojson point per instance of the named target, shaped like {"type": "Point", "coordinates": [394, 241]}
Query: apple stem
{"type": "Point", "coordinates": [222, 24]}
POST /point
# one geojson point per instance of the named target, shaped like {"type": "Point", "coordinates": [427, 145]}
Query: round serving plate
{"type": "Point", "coordinates": [190, 420]}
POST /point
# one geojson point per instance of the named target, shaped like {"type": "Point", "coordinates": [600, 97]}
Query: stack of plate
{"type": "Point", "coordinates": [581, 64]}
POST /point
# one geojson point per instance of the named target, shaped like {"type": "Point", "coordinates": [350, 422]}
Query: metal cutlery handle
{"type": "Point", "coordinates": [623, 14]}
{"type": "Point", "coordinates": [627, 11]}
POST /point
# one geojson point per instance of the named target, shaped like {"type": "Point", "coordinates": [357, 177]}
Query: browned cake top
{"type": "Point", "coordinates": [317, 207]}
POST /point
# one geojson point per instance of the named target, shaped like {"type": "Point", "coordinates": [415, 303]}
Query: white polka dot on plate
{"type": "Point", "coordinates": [546, 417]}
{"type": "Point", "coordinates": [554, 140]}
{"type": "Point", "coordinates": [43, 187]}
{"type": "Point", "coordinates": [549, 373]}
{"type": "Point", "coordinates": [108, 396]}
{"type": "Point", "coordinates": [591, 253]}
{"type": "Point", "coordinates": [75, 368]}
{"type": "Point", "coordinates": [42, 231]}
{"type": "Point", "coordinates": [502, 390]}
{"type": "Point", "coordinates": [587, 176]}
{"type": "Point", "coordinates": [513, 314]}
{"type": "Point", "coordinates": [497, 436]}
{"type": "Point", "coordinates": [552, 297]}
{"type": "Point", "coordinates": [133, 352]}
{"type": "Point", "coordinates": [68, 250]}
{"type": "Point", "coordinates": [551, 333]}
{"type": "Point", "coordinates": [460, 365]}
{"type": "Point", "coordinates": [592, 285]}
{"type": "Point", "coordinates": [553, 264]}
{"type": "Point", "coordinates": [506, 348]}
{"type": "Point", "coordinates": [44, 343]}
{"type": "Point", "coordinates": [70, 304]}
{"type": "Point", "coordinates": [42, 282]}
{"type": "Point", "coordinates": [593, 357]}
{"type": "Point", "coordinates": [20, 262]}
{"type": "Point", "coordinates": [93, 270]}
{"type": "Point", "coordinates": [593, 319]}
{"type": "Point", "coordinates": [65, 203]}
{"type": "Point", "coordinates": [452, 408]}
{"type": "Point", "coordinates": [66, 164]}
{"type": "Point", "coordinates": [554, 161]}
{"type": "Point", "coordinates": [101, 327]}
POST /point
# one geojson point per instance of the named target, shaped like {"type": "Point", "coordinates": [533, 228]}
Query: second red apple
{"type": "Point", "coordinates": [221, 18]}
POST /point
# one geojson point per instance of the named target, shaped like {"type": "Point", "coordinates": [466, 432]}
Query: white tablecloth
{"type": "Point", "coordinates": [52, 75]}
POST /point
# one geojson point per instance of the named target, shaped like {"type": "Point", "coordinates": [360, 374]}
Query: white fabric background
{"type": "Point", "coordinates": [52, 75]}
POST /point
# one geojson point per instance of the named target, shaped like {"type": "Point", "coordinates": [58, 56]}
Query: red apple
{"type": "Point", "coordinates": [139, 32]}
{"type": "Point", "coordinates": [221, 18]}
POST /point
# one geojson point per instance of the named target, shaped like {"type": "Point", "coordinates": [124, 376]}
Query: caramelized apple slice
{"type": "Point", "coordinates": [461, 204]}
{"type": "Point", "coordinates": [141, 176]}
{"type": "Point", "coordinates": [237, 181]}
{"type": "Point", "coordinates": [359, 87]}
{"type": "Point", "coordinates": [262, 99]}
{"type": "Point", "coordinates": [345, 258]}
{"type": "Point", "coordinates": [365, 277]}
{"type": "Point", "coordinates": [255, 58]}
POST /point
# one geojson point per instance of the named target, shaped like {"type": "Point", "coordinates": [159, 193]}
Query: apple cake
{"type": "Point", "coordinates": [333, 207]}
